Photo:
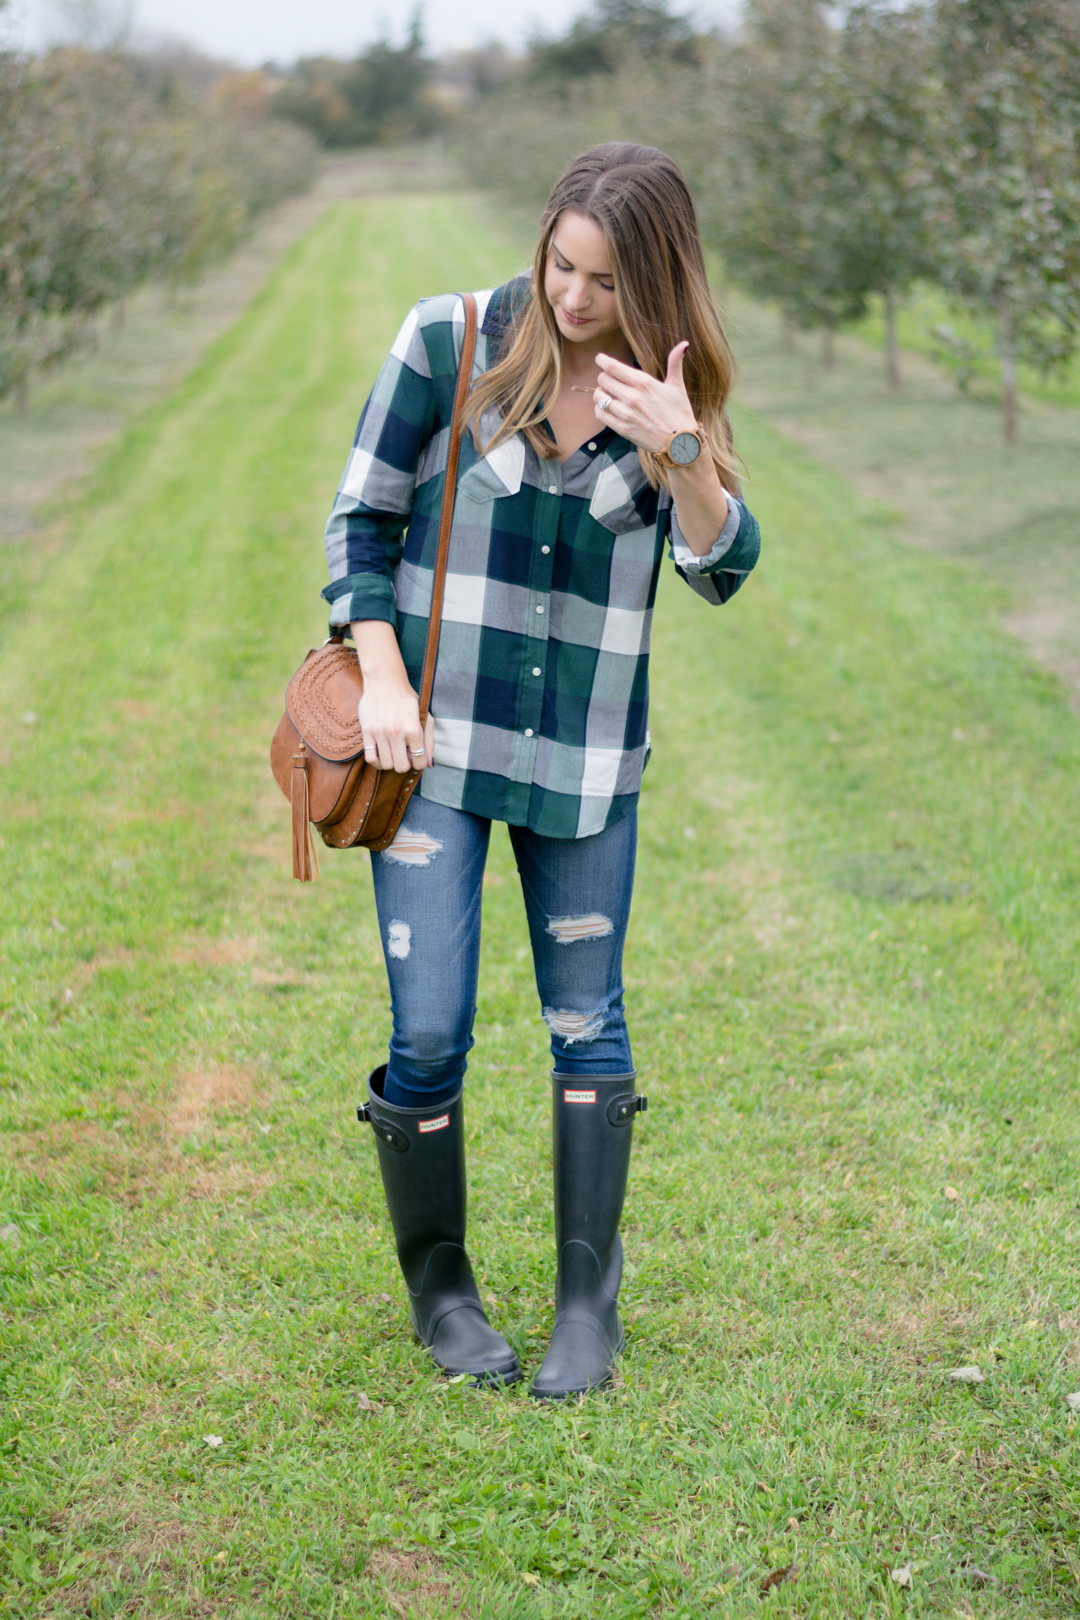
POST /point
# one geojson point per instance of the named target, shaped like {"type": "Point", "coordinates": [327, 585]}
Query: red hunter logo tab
{"type": "Point", "coordinates": [439, 1124]}
{"type": "Point", "coordinates": [579, 1096]}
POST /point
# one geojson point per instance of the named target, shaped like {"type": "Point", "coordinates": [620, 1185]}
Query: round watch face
{"type": "Point", "coordinates": [684, 448]}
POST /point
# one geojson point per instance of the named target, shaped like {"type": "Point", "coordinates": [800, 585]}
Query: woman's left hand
{"type": "Point", "coordinates": [643, 410]}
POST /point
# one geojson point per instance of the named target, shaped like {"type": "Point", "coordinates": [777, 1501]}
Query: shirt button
{"type": "Point", "coordinates": [552, 490]}
{"type": "Point", "coordinates": [528, 731]}
{"type": "Point", "coordinates": [545, 549]}
{"type": "Point", "coordinates": [536, 671]}
{"type": "Point", "coordinates": [539, 610]}
{"type": "Point", "coordinates": [591, 445]}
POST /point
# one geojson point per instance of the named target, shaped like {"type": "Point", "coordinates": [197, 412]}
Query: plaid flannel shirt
{"type": "Point", "coordinates": [540, 698]}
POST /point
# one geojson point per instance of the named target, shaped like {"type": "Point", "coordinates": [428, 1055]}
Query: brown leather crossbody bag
{"type": "Point", "coordinates": [317, 755]}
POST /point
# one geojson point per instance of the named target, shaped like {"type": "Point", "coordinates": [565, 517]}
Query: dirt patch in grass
{"type": "Point", "coordinates": [203, 1092]}
{"type": "Point", "coordinates": [137, 1547]}
{"type": "Point", "coordinates": [139, 1154]}
{"type": "Point", "coordinates": [217, 1185]}
{"type": "Point", "coordinates": [85, 972]}
{"type": "Point", "coordinates": [765, 909]}
{"type": "Point", "coordinates": [216, 952]}
{"type": "Point", "coordinates": [412, 1584]}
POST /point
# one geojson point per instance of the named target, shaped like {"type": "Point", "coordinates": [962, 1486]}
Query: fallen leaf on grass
{"type": "Point", "coordinates": [363, 1403]}
{"type": "Point", "coordinates": [901, 1576]}
{"type": "Point", "coordinates": [790, 1572]}
{"type": "Point", "coordinates": [214, 1440]}
{"type": "Point", "coordinates": [968, 1375]}
{"type": "Point", "coordinates": [1071, 1401]}
{"type": "Point", "coordinates": [530, 1578]}
{"type": "Point", "coordinates": [951, 1194]}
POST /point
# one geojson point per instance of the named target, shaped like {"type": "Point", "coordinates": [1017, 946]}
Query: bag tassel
{"type": "Point", "coordinates": [305, 862]}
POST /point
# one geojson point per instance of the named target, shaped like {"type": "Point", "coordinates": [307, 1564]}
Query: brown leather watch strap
{"type": "Point", "coordinates": [468, 347]}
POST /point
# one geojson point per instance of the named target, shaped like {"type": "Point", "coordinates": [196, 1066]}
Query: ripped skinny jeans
{"type": "Point", "coordinates": [428, 885]}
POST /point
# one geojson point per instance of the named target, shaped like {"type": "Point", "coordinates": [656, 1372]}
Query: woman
{"type": "Point", "coordinates": [598, 437]}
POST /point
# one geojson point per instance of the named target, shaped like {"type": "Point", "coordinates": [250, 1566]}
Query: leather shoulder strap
{"type": "Point", "coordinates": [464, 380]}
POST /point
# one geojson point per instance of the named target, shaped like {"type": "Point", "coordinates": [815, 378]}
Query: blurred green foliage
{"type": "Point", "coordinates": [112, 173]}
{"type": "Point", "coordinates": [381, 96]}
{"type": "Point", "coordinates": [838, 158]}
{"type": "Point", "coordinates": [610, 32]}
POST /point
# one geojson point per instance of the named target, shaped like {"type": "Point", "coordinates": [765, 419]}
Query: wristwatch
{"type": "Point", "coordinates": [683, 448]}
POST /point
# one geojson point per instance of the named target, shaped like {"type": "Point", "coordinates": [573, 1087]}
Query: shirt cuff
{"type": "Point", "coordinates": [358, 597]}
{"type": "Point", "coordinates": [686, 559]}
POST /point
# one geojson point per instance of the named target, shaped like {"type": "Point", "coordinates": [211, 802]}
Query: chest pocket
{"type": "Point", "coordinates": [615, 496]}
{"type": "Point", "coordinates": [498, 473]}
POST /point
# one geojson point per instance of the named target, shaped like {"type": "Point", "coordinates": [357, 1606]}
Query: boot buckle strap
{"type": "Point", "coordinates": [621, 1110]}
{"type": "Point", "coordinates": [383, 1128]}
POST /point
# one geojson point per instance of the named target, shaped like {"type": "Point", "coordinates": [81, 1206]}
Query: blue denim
{"type": "Point", "coordinates": [577, 897]}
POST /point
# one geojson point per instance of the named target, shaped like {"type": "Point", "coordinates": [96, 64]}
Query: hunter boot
{"type": "Point", "coordinates": [422, 1159]}
{"type": "Point", "coordinates": [593, 1129]}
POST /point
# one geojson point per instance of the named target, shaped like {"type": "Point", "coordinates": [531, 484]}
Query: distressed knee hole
{"type": "Point", "coordinates": [412, 848]}
{"type": "Point", "coordinates": [565, 930]}
{"type": "Point", "coordinates": [573, 1026]}
{"type": "Point", "coordinates": [399, 940]}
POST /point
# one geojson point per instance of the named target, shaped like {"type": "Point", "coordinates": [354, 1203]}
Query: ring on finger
{"type": "Point", "coordinates": [416, 752]}
{"type": "Point", "coordinates": [605, 402]}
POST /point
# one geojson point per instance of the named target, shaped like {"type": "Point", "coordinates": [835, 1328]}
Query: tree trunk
{"type": "Point", "coordinates": [892, 350]}
{"type": "Point", "coordinates": [828, 351]}
{"type": "Point", "coordinates": [22, 392]}
{"type": "Point", "coordinates": [787, 333]}
{"type": "Point", "coordinates": [119, 315]}
{"type": "Point", "coordinates": [1010, 421]}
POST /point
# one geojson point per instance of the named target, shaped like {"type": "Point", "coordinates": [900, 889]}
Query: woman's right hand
{"type": "Point", "coordinates": [389, 711]}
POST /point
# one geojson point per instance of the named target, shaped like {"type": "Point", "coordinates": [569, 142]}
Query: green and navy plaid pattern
{"type": "Point", "coordinates": [541, 687]}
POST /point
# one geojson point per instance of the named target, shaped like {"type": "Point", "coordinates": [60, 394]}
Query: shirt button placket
{"type": "Point", "coordinates": [534, 653]}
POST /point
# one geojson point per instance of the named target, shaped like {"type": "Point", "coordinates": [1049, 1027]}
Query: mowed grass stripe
{"type": "Point", "coordinates": [203, 1249]}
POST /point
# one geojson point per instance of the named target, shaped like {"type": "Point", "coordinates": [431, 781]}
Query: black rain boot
{"type": "Point", "coordinates": [422, 1159]}
{"type": "Point", "coordinates": [593, 1129]}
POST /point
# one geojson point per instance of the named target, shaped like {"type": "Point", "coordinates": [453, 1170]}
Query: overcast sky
{"type": "Point", "coordinates": [254, 31]}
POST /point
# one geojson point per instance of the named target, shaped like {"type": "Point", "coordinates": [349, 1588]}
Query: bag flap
{"type": "Point", "coordinates": [322, 701]}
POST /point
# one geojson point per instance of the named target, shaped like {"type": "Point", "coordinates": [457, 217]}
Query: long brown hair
{"type": "Point", "coordinates": [640, 201]}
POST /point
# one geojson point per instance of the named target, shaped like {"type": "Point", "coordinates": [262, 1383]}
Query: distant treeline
{"type": "Point", "coordinates": [115, 170]}
{"type": "Point", "coordinates": [838, 157]}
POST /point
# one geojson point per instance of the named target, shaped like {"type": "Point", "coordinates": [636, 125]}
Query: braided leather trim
{"type": "Point", "coordinates": [322, 701]}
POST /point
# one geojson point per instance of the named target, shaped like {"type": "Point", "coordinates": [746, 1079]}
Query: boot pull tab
{"type": "Point", "coordinates": [621, 1110]}
{"type": "Point", "coordinates": [363, 1113]}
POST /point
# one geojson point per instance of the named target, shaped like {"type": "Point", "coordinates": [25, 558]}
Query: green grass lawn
{"type": "Point", "coordinates": [853, 982]}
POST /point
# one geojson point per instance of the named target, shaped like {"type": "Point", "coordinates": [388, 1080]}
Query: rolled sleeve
{"type": "Point", "coordinates": [718, 574]}
{"type": "Point", "coordinates": [360, 596]}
